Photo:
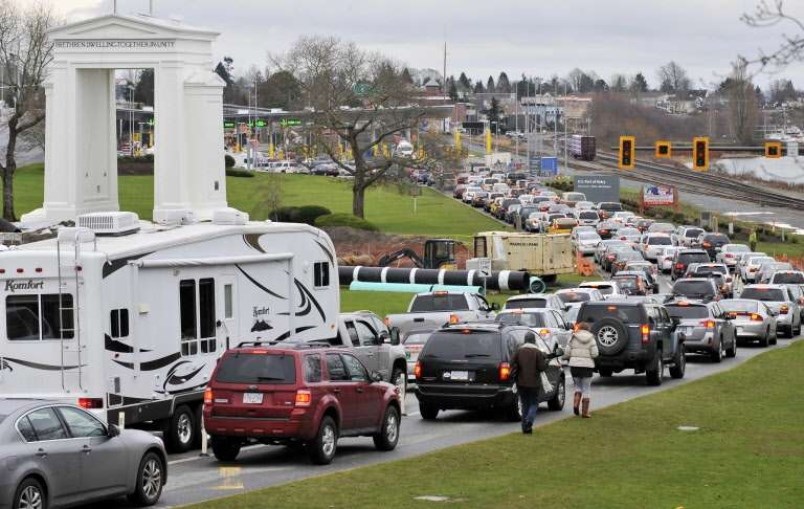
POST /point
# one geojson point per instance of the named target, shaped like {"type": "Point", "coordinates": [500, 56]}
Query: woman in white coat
{"type": "Point", "coordinates": [581, 352]}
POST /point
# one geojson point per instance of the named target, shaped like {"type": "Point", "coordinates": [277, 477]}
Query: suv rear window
{"type": "Point", "coordinates": [628, 314]}
{"type": "Point", "coordinates": [526, 303]}
{"type": "Point", "coordinates": [588, 214]}
{"type": "Point", "coordinates": [692, 232]}
{"type": "Point", "coordinates": [789, 278]}
{"type": "Point", "coordinates": [716, 238]}
{"type": "Point", "coordinates": [659, 241]}
{"type": "Point", "coordinates": [688, 311]}
{"type": "Point", "coordinates": [574, 296]}
{"type": "Point", "coordinates": [251, 368]}
{"type": "Point", "coordinates": [449, 302]}
{"type": "Point", "coordinates": [767, 294]}
{"type": "Point", "coordinates": [702, 271]}
{"type": "Point", "coordinates": [459, 345]}
{"type": "Point", "coordinates": [687, 258]}
{"type": "Point", "coordinates": [611, 206]}
{"type": "Point", "coordinates": [526, 319]}
{"type": "Point", "coordinates": [693, 288]}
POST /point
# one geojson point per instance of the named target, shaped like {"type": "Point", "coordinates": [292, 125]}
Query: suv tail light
{"type": "Point", "coordinates": [90, 403]}
{"type": "Point", "coordinates": [505, 371]}
{"type": "Point", "coordinates": [709, 324]}
{"type": "Point", "coordinates": [784, 309]}
{"type": "Point", "coordinates": [208, 396]}
{"type": "Point", "coordinates": [303, 398]}
{"type": "Point", "coordinates": [679, 266]}
{"type": "Point", "coordinates": [417, 370]}
{"type": "Point", "coordinates": [645, 331]}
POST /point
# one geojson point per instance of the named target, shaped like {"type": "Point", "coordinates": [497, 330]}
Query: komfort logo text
{"type": "Point", "coordinates": [12, 285]}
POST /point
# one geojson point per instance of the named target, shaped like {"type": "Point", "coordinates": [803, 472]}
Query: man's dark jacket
{"type": "Point", "coordinates": [528, 363]}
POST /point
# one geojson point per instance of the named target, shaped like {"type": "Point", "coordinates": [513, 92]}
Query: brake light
{"type": "Point", "coordinates": [784, 309]}
{"type": "Point", "coordinates": [729, 255]}
{"type": "Point", "coordinates": [453, 319]}
{"type": "Point", "coordinates": [679, 266]}
{"type": "Point", "coordinates": [709, 324]}
{"type": "Point", "coordinates": [303, 398]}
{"type": "Point", "coordinates": [417, 370]}
{"type": "Point", "coordinates": [645, 331]}
{"type": "Point", "coordinates": [706, 244]}
{"type": "Point", "coordinates": [90, 403]}
{"type": "Point", "coordinates": [208, 396]}
{"type": "Point", "coordinates": [756, 317]}
{"type": "Point", "coordinates": [505, 372]}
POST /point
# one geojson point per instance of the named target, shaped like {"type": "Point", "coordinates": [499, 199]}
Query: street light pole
{"type": "Point", "coordinates": [131, 120]}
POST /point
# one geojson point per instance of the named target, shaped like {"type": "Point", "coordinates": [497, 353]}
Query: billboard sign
{"type": "Point", "coordinates": [598, 188]}
{"type": "Point", "coordinates": [654, 195]}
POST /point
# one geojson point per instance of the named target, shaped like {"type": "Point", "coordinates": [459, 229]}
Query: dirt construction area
{"type": "Point", "coordinates": [359, 247]}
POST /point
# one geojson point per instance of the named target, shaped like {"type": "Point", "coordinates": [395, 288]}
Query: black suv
{"type": "Point", "coordinates": [683, 258]}
{"type": "Point", "coordinates": [712, 243]}
{"type": "Point", "coordinates": [634, 335]}
{"type": "Point", "coordinates": [467, 366]}
{"type": "Point", "coordinates": [696, 288]}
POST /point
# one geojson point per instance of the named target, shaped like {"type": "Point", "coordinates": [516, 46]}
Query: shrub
{"type": "Point", "coordinates": [309, 213]}
{"type": "Point", "coordinates": [285, 215]}
{"type": "Point", "coordinates": [238, 172]}
{"type": "Point", "coordinates": [345, 220]}
{"type": "Point", "coordinates": [228, 161]}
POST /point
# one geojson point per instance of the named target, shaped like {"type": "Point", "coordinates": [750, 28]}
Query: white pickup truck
{"type": "Point", "coordinates": [436, 309]}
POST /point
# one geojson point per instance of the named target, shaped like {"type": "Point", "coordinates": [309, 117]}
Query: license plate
{"type": "Point", "coordinates": [459, 376]}
{"type": "Point", "coordinates": [252, 398]}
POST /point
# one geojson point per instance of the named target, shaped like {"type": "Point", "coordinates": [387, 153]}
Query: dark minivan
{"type": "Point", "coordinates": [467, 366]}
{"type": "Point", "coordinates": [683, 258]}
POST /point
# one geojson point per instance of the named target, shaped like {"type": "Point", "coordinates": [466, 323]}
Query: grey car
{"type": "Point", "coordinates": [58, 454]}
{"type": "Point", "coordinates": [780, 299]}
{"type": "Point", "coordinates": [752, 319]}
{"type": "Point", "coordinates": [706, 328]}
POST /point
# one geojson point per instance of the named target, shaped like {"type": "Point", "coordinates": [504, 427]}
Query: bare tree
{"type": "Point", "coordinates": [358, 99]}
{"type": "Point", "coordinates": [792, 47]}
{"type": "Point", "coordinates": [743, 107]}
{"type": "Point", "coordinates": [25, 52]}
{"type": "Point", "coordinates": [673, 78]}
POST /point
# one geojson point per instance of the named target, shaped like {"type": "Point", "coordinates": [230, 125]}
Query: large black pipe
{"type": "Point", "coordinates": [499, 280]}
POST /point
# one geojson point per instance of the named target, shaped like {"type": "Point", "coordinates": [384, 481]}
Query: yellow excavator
{"type": "Point", "coordinates": [438, 254]}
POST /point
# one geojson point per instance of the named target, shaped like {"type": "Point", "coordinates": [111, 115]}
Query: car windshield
{"type": "Point", "coordinates": [659, 241]}
{"type": "Point", "coordinates": [693, 288]}
{"type": "Point", "coordinates": [789, 278]}
{"type": "Point", "coordinates": [588, 214]}
{"type": "Point", "coordinates": [574, 296]}
{"type": "Point", "coordinates": [626, 281]}
{"type": "Point", "coordinates": [250, 368]}
{"type": "Point", "coordinates": [766, 294]}
{"type": "Point", "coordinates": [526, 303]}
{"type": "Point", "coordinates": [739, 305]}
{"type": "Point", "coordinates": [702, 271]}
{"type": "Point", "coordinates": [466, 344]}
{"type": "Point", "coordinates": [526, 319]}
{"type": "Point", "coordinates": [677, 311]}
{"type": "Point", "coordinates": [449, 302]}
{"type": "Point", "coordinates": [417, 338]}
{"type": "Point", "coordinates": [628, 314]}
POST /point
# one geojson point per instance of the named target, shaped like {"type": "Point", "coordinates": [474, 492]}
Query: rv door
{"type": "Point", "coordinates": [228, 333]}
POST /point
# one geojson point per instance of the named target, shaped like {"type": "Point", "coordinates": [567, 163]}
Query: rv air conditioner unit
{"type": "Point", "coordinates": [229, 216]}
{"type": "Point", "coordinates": [110, 223]}
{"type": "Point", "coordinates": [176, 217]}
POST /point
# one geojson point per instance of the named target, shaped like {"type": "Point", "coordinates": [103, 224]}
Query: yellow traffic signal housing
{"type": "Point", "coordinates": [664, 150]}
{"type": "Point", "coordinates": [700, 153]}
{"type": "Point", "coordinates": [773, 149]}
{"type": "Point", "coordinates": [627, 155]}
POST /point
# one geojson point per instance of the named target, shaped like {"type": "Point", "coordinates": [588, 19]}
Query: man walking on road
{"type": "Point", "coordinates": [528, 363]}
{"type": "Point", "coordinates": [752, 239]}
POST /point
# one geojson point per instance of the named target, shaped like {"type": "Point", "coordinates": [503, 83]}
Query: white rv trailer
{"type": "Point", "coordinates": [133, 324]}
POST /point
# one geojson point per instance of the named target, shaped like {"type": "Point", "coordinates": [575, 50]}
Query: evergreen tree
{"type": "Point", "coordinates": [464, 82]}
{"type": "Point", "coordinates": [503, 84]}
{"type": "Point", "coordinates": [479, 87]}
{"type": "Point", "coordinates": [490, 85]}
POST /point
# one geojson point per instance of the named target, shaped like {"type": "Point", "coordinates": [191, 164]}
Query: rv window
{"type": "Point", "coordinates": [321, 274]}
{"type": "Point", "coordinates": [206, 313]}
{"type": "Point", "coordinates": [35, 317]}
{"type": "Point", "coordinates": [227, 301]}
{"type": "Point", "coordinates": [119, 319]}
{"type": "Point", "coordinates": [187, 308]}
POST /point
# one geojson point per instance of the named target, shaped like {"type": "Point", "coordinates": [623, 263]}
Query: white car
{"type": "Point", "coordinates": [622, 215]}
{"type": "Point", "coordinates": [688, 236]}
{"type": "Point", "coordinates": [586, 242]}
{"type": "Point", "coordinates": [628, 234]}
{"type": "Point", "coordinates": [584, 205]}
{"type": "Point", "coordinates": [653, 243]}
{"type": "Point", "coordinates": [608, 289]}
{"type": "Point", "coordinates": [750, 268]}
{"type": "Point", "coordinates": [729, 254]}
{"type": "Point", "coordinates": [547, 322]}
{"type": "Point", "coordinates": [664, 258]}
{"type": "Point", "coordinates": [587, 217]}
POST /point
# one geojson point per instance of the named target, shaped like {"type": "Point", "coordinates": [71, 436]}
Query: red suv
{"type": "Point", "coordinates": [298, 397]}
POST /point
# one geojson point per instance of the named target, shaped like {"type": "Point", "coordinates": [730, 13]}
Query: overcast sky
{"type": "Point", "coordinates": [535, 37]}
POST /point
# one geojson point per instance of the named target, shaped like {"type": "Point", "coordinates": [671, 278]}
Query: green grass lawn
{"type": "Point", "coordinates": [748, 452]}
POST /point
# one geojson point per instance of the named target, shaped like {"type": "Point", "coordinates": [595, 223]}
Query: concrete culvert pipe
{"type": "Point", "coordinates": [499, 280]}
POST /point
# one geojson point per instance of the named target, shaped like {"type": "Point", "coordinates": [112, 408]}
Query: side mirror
{"type": "Point", "coordinates": [383, 337]}
{"type": "Point", "coordinates": [676, 321]}
{"type": "Point", "coordinates": [113, 431]}
{"type": "Point", "coordinates": [394, 336]}
{"type": "Point", "coordinates": [495, 306]}
{"type": "Point", "coordinates": [376, 376]}
{"type": "Point", "coordinates": [682, 337]}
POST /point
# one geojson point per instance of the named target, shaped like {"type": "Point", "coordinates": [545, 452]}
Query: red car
{"type": "Point", "coordinates": [301, 396]}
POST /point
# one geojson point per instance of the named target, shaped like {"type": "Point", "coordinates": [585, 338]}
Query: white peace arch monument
{"type": "Point", "coordinates": [81, 149]}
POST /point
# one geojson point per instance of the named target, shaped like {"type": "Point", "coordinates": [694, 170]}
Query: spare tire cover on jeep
{"type": "Point", "coordinates": [611, 335]}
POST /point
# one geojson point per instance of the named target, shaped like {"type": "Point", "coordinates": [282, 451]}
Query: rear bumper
{"type": "Point", "coordinates": [750, 331]}
{"type": "Point", "coordinates": [260, 429]}
{"type": "Point", "coordinates": [700, 342]}
{"type": "Point", "coordinates": [466, 397]}
{"type": "Point", "coordinates": [626, 360]}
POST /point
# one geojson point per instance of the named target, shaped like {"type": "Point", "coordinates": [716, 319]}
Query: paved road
{"type": "Point", "coordinates": [194, 478]}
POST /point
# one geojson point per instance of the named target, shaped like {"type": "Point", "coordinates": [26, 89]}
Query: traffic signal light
{"type": "Point", "coordinates": [627, 156]}
{"type": "Point", "coordinates": [664, 150]}
{"type": "Point", "coordinates": [773, 149]}
{"type": "Point", "coordinates": [700, 153]}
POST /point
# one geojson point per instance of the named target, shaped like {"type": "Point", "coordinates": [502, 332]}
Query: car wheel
{"type": "Point", "coordinates": [181, 431]}
{"type": "Point", "coordinates": [775, 339]}
{"type": "Point", "coordinates": [388, 436]}
{"type": "Point", "coordinates": [515, 411]}
{"type": "Point", "coordinates": [400, 379]}
{"type": "Point", "coordinates": [557, 401]}
{"type": "Point", "coordinates": [796, 332]}
{"type": "Point", "coordinates": [717, 354]}
{"type": "Point", "coordinates": [679, 366]}
{"type": "Point", "coordinates": [30, 494]}
{"type": "Point", "coordinates": [611, 336]}
{"type": "Point", "coordinates": [732, 352]}
{"type": "Point", "coordinates": [604, 372]}
{"type": "Point", "coordinates": [150, 480]}
{"type": "Point", "coordinates": [225, 449]}
{"type": "Point", "coordinates": [655, 371]}
{"type": "Point", "coordinates": [766, 339]}
{"type": "Point", "coordinates": [428, 412]}
{"type": "Point", "coordinates": [322, 448]}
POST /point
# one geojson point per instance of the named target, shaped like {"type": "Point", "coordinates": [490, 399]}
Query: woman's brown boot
{"type": "Point", "coordinates": [585, 413]}
{"type": "Point", "coordinates": [576, 403]}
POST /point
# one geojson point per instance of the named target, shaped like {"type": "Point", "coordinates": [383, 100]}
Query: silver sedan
{"type": "Point", "coordinates": [55, 454]}
{"type": "Point", "coordinates": [753, 320]}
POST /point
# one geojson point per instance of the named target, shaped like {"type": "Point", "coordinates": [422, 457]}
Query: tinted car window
{"type": "Point", "coordinates": [457, 345]}
{"type": "Point", "coordinates": [26, 430]}
{"type": "Point", "coordinates": [46, 425]}
{"type": "Point", "coordinates": [687, 258]}
{"type": "Point", "coordinates": [692, 232]}
{"type": "Point", "coordinates": [81, 424]}
{"type": "Point", "coordinates": [693, 288]}
{"type": "Point", "coordinates": [688, 311]}
{"type": "Point", "coordinates": [526, 303]}
{"type": "Point", "coordinates": [628, 314]}
{"type": "Point", "coordinates": [247, 368]}
{"type": "Point", "coordinates": [336, 368]}
{"type": "Point", "coordinates": [526, 319]}
{"type": "Point", "coordinates": [574, 297]}
{"type": "Point", "coordinates": [768, 294]}
{"type": "Point", "coordinates": [659, 241]}
{"type": "Point", "coordinates": [745, 305]}
{"type": "Point", "coordinates": [312, 368]}
{"type": "Point", "coordinates": [417, 338]}
{"type": "Point", "coordinates": [790, 278]}
{"type": "Point", "coordinates": [447, 302]}
{"type": "Point", "coordinates": [716, 238]}
{"type": "Point", "coordinates": [357, 373]}
{"type": "Point", "coordinates": [710, 270]}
